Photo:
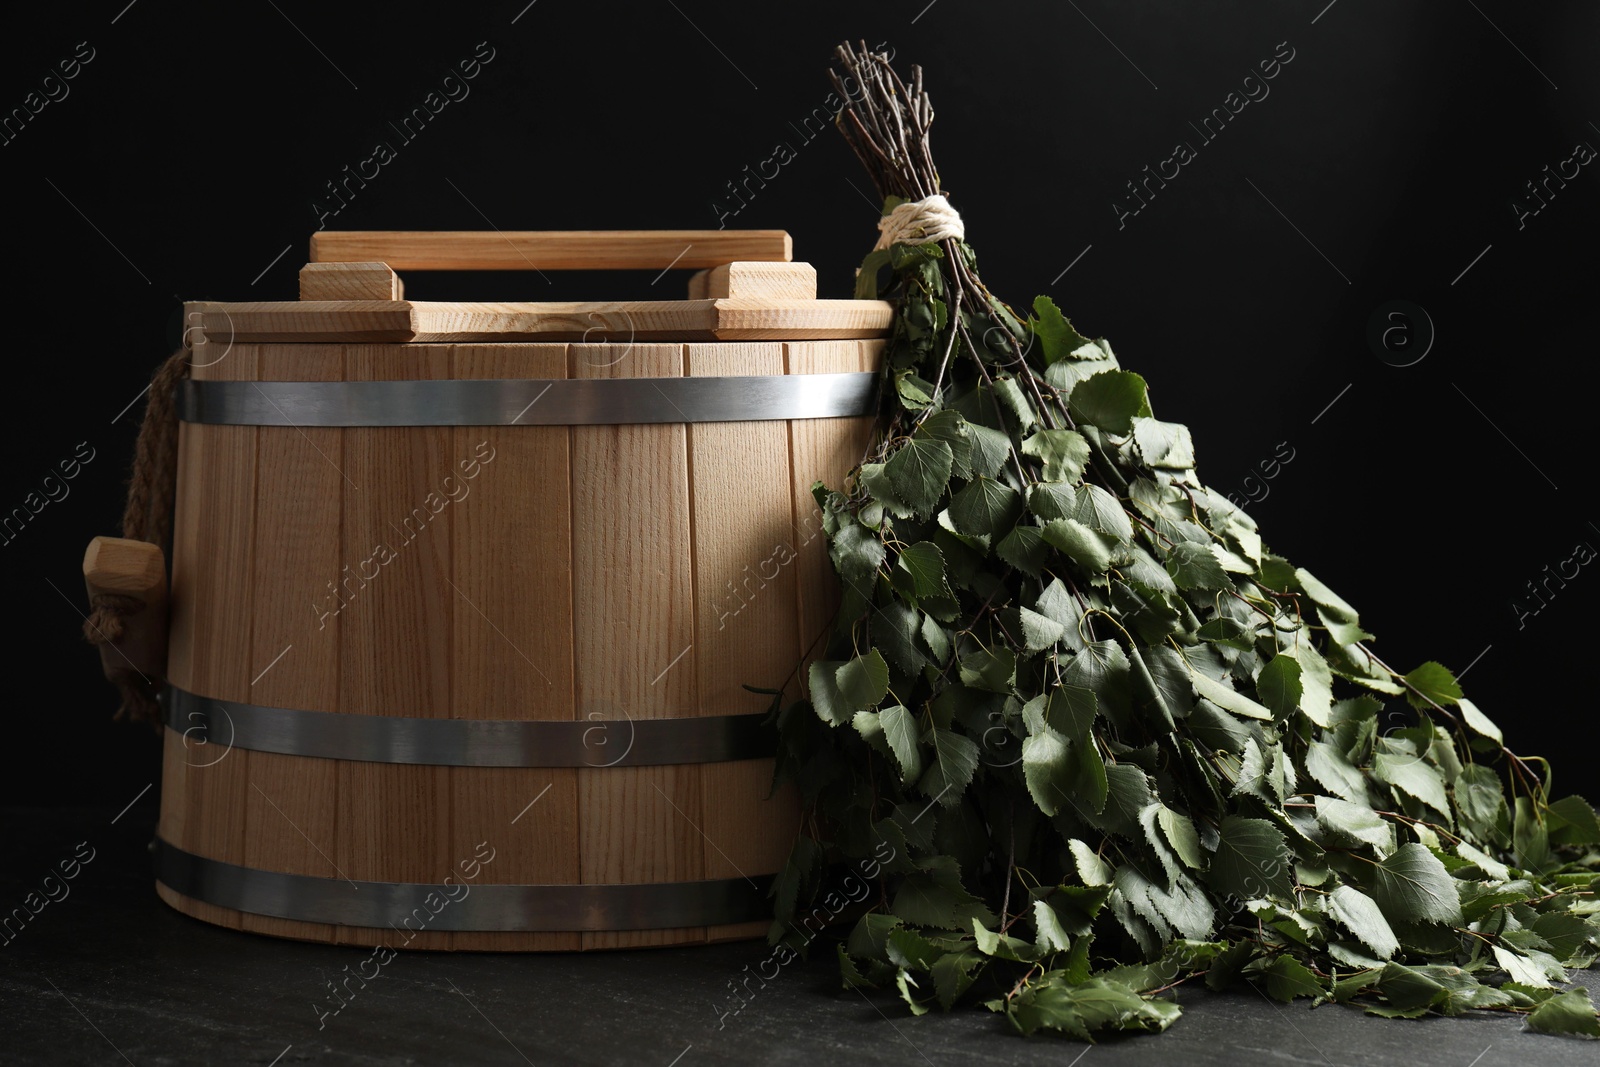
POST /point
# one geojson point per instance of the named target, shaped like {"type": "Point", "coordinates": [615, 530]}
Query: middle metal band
{"type": "Point", "coordinates": [228, 724]}
{"type": "Point", "coordinates": [528, 401]}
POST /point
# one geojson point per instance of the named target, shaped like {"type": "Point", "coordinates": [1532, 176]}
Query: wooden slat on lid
{"type": "Point", "coordinates": [726, 319]}
{"type": "Point", "coordinates": [548, 250]}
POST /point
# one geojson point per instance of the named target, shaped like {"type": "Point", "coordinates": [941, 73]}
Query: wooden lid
{"type": "Point", "coordinates": [746, 288]}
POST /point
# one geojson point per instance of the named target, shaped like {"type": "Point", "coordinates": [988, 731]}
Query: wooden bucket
{"type": "Point", "coordinates": [464, 596]}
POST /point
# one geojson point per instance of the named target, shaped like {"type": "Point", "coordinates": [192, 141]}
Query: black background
{"type": "Point", "coordinates": [185, 160]}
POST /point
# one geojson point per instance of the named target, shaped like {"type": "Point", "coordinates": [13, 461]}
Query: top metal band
{"type": "Point", "coordinates": [230, 724]}
{"type": "Point", "coordinates": [528, 401]}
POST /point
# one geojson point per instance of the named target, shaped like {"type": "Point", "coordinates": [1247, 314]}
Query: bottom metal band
{"type": "Point", "coordinates": [459, 903]}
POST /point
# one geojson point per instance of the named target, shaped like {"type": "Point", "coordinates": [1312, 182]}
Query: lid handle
{"type": "Point", "coordinates": [548, 250]}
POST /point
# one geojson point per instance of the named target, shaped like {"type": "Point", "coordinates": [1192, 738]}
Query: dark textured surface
{"type": "Point", "coordinates": [109, 969]}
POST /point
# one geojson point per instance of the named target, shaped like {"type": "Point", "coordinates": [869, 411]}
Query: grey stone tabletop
{"type": "Point", "coordinates": [107, 974]}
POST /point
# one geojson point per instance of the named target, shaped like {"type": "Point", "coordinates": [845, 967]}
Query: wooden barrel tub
{"type": "Point", "coordinates": [464, 596]}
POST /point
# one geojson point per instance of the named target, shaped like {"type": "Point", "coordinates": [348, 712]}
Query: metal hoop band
{"type": "Point", "coordinates": [462, 904]}
{"type": "Point", "coordinates": [528, 401]}
{"type": "Point", "coordinates": [468, 742]}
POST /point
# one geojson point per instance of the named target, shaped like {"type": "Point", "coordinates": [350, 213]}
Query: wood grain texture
{"type": "Point", "coordinates": [745, 623]}
{"type": "Point", "coordinates": [601, 572]}
{"type": "Point", "coordinates": [775, 282]}
{"type": "Point", "coordinates": [396, 629]}
{"type": "Point", "coordinates": [550, 249]}
{"type": "Point", "coordinates": [310, 320]}
{"type": "Point", "coordinates": [759, 319]}
{"type": "Point", "coordinates": [513, 638]}
{"type": "Point", "coordinates": [633, 607]}
{"type": "Point", "coordinates": [212, 616]}
{"type": "Point", "coordinates": [115, 566]}
{"type": "Point", "coordinates": [729, 319]}
{"type": "Point", "coordinates": [292, 806]}
{"type": "Point", "coordinates": [349, 281]}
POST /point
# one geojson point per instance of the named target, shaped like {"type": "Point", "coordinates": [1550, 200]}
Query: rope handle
{"type": "Point", "coordinates": [126, 577]}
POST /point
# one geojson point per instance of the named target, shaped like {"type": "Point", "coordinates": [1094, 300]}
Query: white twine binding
{"type": "Point", "coordinates": [920, 222]}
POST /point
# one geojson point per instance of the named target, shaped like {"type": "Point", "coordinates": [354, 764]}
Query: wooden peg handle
{"type": "Point", "coordinates": [118, 567]}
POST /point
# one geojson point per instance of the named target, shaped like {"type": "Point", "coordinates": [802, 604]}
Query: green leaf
{"type": "Point", "coordinates": [1180, 834]}
{"type": "Point", "coordinates": [1325, 598]}
{"type": "Point", "coordinates": [1355, 824]}
{"type": "Point", "coordinates": [869, 938]}
{"type": "Point", "coordinates": [1569, 1013]}
{"type": "Point", "coordinates": [1432, 682]}
{"type": "Point", "coordinates": [923, 563]}
{"type": "Point", "coordinates": [1024, 548]}
{"type": "Point", "coordinates": [985, 507]}
{"type": "Point", "coordinates": [990, 449]}
{"type": "Point", "coordinates": [915, 393]}
{"type": "Point", "coordinates": [1286, 978]}
{"type": "Point", "coordinates": [1110, 400]}
{"type": "Point", "coordinates": [907, 948]}
{"type": "Point", "coordinates": [1316, 685]}
{"type": "Point", "coordinates": [1409, 774]}
{"type": "Point", "coordinates": [1039, 632]}
{"type": "Point", "coordinates": [1093, 870]}
{"type": "Point", "coordinates": [1335, 772]}
{"type": "Point", "coordinates": [1278, 685]}
{"type": "Point", "coordinates": [1479, 800]}
{"type": "Point", "coordinates": [1164, 445]}
{"type": "Point", "coordinates": [1063, 452]}
{"type": "Point", "coordinates": [856, 552]}
{"type": "Point", "coordinates": [995, 670]}
{"type": "Point", "coordinates": [1052, 938]}
{"type": "Point", "coordinates": [1522, 968]}
{"type": "Point", "coordinates": [1412, 886]}
{"type": "Point", "coordinates": [934, 896]}
{"type": "Point", "coordinates": [1196, 566]}
{"type": "Point", "coordinates": [1070, 710]}
{"type": "Point", "coordinates": [1227, 699]}
{"type": "Point", "coordinates": [1056, 336]}
{"type": "Point", "coordinates": [900, 730]}
{"type": "Point", "coordinates": [850, 976]}
{"type": "Point", "coordinates": [1477, 721]}
{"type": "Point", "coordinates": [1573, 821]}
{"type": "Point", "coordinates": [955, 760]}
{"type": "Point", "coordinates": [948, 426]}
{"type": "Point", "coordinates": [876, 483]}
{"type": "Point", "coordinates": [905, 984]}
{"type": "Point", "coordinates": [864, 680]}
{"type": "Point", "coordinates": [1011, 396]}
{"type": "Point", "coordinates": [953, 974]}
{"type": "Point", "coordinates": [1089, 778]}
{"type": "Point", "coordinates": [1100, 511]}
{"type": "Point", "coordinates": [1082, 545]}
{"type": "Point", "coordinates": [919, 471]}
{"type": "Point", "coordinates": [830, 705]}
{"type": "Point", "coordinates": [1044, 769]}
{"type": "Point", "coordinates": [1361, 916]}
{"type": "Point", "coordinates": [1252, 861]}
{"type": "Point", "coordinates": [1529, 836]}
{"type": "Point", "coordinates": [803, 860]}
